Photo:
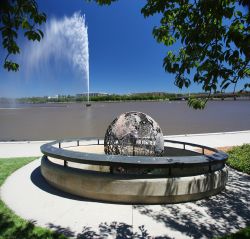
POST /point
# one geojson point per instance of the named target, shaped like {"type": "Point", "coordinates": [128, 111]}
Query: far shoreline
{"type": "Point", "coordinates": [124, 101]}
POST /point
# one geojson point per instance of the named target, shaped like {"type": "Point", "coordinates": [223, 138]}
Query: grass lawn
{"type": "Point", "coordinates": [239, 158]}
{"type": "Point", "coordinates": [242, 234]}
{"type": "Point", "coordinates": [12, 226]}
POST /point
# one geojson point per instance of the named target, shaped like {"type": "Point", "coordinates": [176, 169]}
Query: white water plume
{"type": "Point", "coordinates": [66, 39]}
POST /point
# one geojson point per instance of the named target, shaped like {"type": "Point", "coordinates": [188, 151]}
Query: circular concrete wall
{"type": "Point", "coordinates": [132, 189]}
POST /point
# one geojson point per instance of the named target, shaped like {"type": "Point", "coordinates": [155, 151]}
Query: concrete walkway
{"type": "Point", "coordinates": [30, 197]}
{"type": "Point", "coordinates": [215, 140]}
{"type": "Point", "coordinates": [32, 148]}
{"type": "Point", "coordinates": [20, 148]}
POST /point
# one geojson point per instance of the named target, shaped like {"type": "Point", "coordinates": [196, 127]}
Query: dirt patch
{"type": "Point", "coordinates": [224, 149]}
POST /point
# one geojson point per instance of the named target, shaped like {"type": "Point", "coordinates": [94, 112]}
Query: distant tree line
{"type": "Point", "coordinates": [134, 97]}
{"type": "Point", "coordinates": [112, 97]}
{"type": "Point", "coordinates": [128, 97]}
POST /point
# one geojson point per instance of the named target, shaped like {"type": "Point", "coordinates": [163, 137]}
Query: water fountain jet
{"type": "Point", "coordinates": [65, 42]}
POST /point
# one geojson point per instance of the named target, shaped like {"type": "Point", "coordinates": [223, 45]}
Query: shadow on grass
{"type": "Point", "coordinates": [11, 229]}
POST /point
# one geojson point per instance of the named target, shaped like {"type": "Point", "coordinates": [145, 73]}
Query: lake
{"type": "Point", "coordinates": [58, 121]}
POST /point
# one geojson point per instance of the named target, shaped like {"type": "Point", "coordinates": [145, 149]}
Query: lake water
{"type": "Point", "coordinates": [58, 121]}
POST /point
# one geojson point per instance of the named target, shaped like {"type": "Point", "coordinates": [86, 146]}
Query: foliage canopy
{"type": "Point", "coordinates": [215, 38]}
{"type": "Point", "coordinates": [14, 16]}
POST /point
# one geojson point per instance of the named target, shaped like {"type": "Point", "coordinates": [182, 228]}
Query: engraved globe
{"type": "Point", "coordinates": [134, 133]}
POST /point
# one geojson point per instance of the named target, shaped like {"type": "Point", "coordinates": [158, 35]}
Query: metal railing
{"type": "Point", "coordinates": [62, 153]}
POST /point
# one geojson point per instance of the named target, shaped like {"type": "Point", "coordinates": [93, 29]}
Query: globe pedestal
{"type": "Point", "coordinates": [134, 164]}
{"type": "Point", "coordinates": [123, 188]}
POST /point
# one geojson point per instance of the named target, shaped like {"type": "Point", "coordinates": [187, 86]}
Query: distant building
{"type": "Point", "coordinates": [91, 94]}
{"type": "Point", "coordinates": [53, 97]}
{"type": "Point", "coordinates": [149, 93]}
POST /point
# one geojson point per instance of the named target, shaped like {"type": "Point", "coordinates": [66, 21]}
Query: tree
{"type": "Point", "coordinates": [215, 38]}
{"type": "Point", "coordinates": [16, 15]}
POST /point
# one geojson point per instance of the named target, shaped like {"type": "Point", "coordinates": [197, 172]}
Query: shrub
{"type": "Point", "coordinates": [239, 158]}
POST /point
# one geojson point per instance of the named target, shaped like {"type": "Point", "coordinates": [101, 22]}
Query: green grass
{"type": "Point", "coordinates": [12, 226]}
{"type": "Point", "coordinates": [242, 234]}
{"type": "Point", "coordinates": [239, 158]}
{"type": "Point", "coordinates": [9, 165]}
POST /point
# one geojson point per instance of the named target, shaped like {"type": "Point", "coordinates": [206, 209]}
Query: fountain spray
{"type": "Point", "coordinates": [65, 38]}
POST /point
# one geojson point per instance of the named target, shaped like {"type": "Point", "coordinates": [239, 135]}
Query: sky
{"type": "Point", "coordinates": [123, 55]}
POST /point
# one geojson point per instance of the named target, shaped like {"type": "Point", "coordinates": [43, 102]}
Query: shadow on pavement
{"type": "Point", "coordinates": [224, 213]}
{"type": "Point", "coordinates": [113, 230]}
{"type": "Point", "coordinates": [218, 215]}
{"type": "Point", "coordinates": [38, 180]}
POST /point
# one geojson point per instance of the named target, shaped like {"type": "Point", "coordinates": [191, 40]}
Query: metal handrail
{"type": "Point", "coordinates": [49, 149]}
{"type": "Point", "coordinates": [203, 147]}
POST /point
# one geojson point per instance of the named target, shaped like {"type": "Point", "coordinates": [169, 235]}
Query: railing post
{"type": "Point", "coordinates": [184, 146]}
{"type": "Point", "coordinates": [77, 142]}
{"type": "Point", "coordinates": [65, 163]}
{"type": "Point", "coordinates": [98, 141]}
{"type": "Point", "coordinates": [59, 144]}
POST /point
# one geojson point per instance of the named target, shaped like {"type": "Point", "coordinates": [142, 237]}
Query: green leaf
{"type": "Point", "coordinates": [16, 16]}
{"type": "Point", "coordinates": [11, 66]}
{"type": "Point", "coordinates": [41, 33]}
{"type": "Point", "coordinates": [26, 25]}
{"type": "Point", "coordinates": [247, 72]}
{"type": "Point", "coordinates": [225, 86]}
{"type": "Point", "coordinates": [246, 86]}
{"type": "Point", "coordinates": [238, 13]}
{"type": "Point", "coordinates": [32, 35]}
{"type": "Point", "coordinates": [196, 103]}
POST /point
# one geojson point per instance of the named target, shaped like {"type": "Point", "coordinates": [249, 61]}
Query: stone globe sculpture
{"type": "Point", "coordinates": [179, 175]}
{"type": "Point", "coordinates": [134, 133]}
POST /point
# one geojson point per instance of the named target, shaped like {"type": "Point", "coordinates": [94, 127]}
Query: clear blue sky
{"type": "Point", "coordinates": [124, 56]}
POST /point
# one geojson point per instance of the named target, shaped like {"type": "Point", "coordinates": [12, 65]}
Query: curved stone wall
{"type": "Point", "coordinates": [132, 189]}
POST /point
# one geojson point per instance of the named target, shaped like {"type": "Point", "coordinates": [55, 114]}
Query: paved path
{"type": "Point", "coordinates": [27, 193]}
{"type": "Point", "coordinates": [215, 139]}
{"type": "Point", "coordinates": [20, 148]}
{"type": "Point", "coordinates": [32, 148]}
{"type": "Point", "coordinates": [30, 197]}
